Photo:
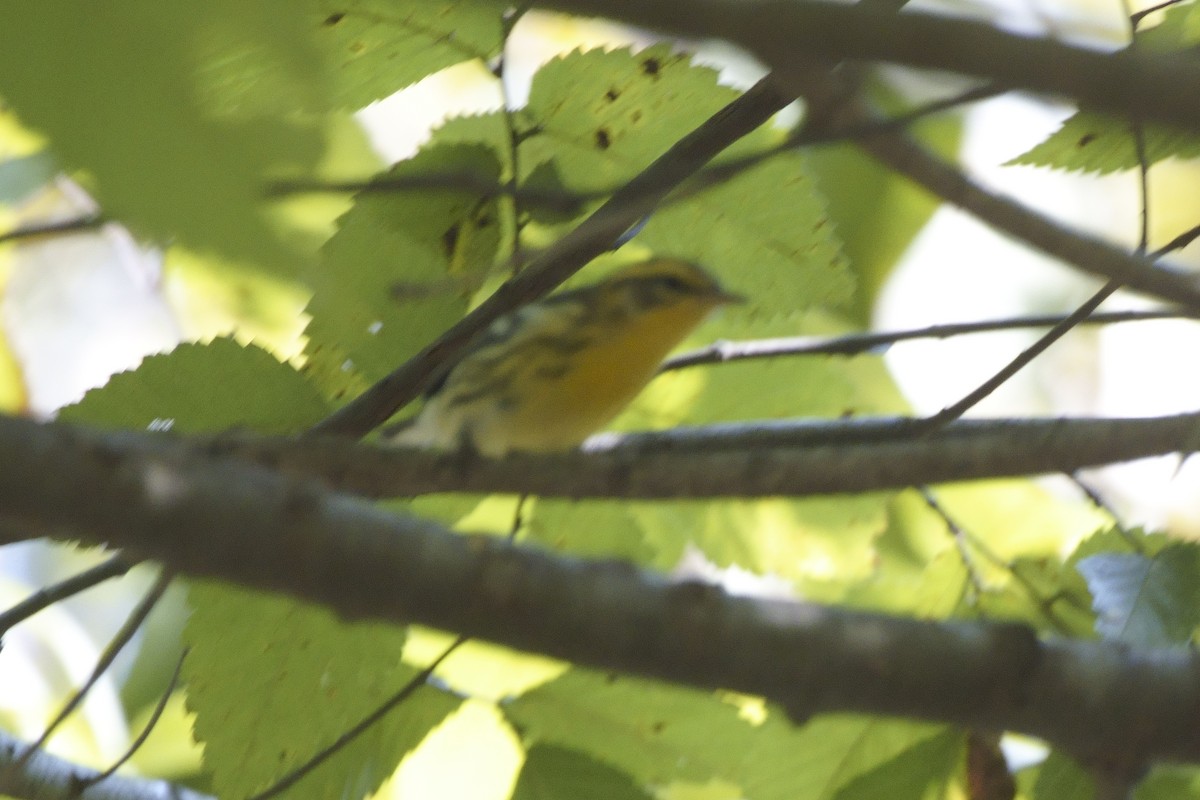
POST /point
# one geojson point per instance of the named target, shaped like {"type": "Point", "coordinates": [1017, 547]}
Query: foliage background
{"type": "Point", "coordinates": [175, 118]}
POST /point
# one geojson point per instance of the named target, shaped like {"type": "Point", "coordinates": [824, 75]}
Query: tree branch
{"type": "Point", "coordinates": [1153, 87]}
{"type": "Point", "coordinates": [852, 344]}
{"type": "Point", "coordinates": [48, 777]}
{"type": "Point", "coordinates": [792, 458]}
{"type": "Point", "coordinates": [219, 518]}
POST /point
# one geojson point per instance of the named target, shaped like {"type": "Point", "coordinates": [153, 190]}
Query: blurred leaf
{"type": "Point", "coordinates": [402, 265]}
{"type": "Point", "coordinates": [214, 298]}
{"type": "Point", "coordinates": [1170, 782]}
{"type": "Point", "coordinates": [929, 770]}
{"type": "Point", "coordinates": [812, 539]}
{"type": "Point", "coordinates": [1146, 601]}
{"type": "Point", "coordinates": [204, 387]}
{"type": "Point", "coordinates": [1112, 539]}
{"type": "Point", "coordinates": [875, 211]}
{"type": "Point", "coordinates": [551, 773]}
{"type": "Point", "coordinates": [116, 92]}
{"type": "Point", "coordinates": [766, 233]}
{"type": "Point", "coordinates": [272, 681]}
{"type": "Point", "coordinates": [14, 394]}
{"type": "Point", "coordinates": [605, 529]}
{"type": "Point", "coordinates": [258, 60]}
{"type": "Point", "coordinates": [1060, 778]}
{"type": "Point", "coordinates": [658, 734]}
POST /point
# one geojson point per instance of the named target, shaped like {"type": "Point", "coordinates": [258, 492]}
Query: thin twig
{"type": "Point", "coordinates": [1137, 17]}
{"type": "Point", "coordinates": [1027, 355]}
{"type": "Point", "coordinates": [114, 567]}
{"type": "Point", "coordinates": [858, 343]}
{"type": "Point", "coordinates": [123, 636]}
{"type": "Point", "coordinates": [962, 537]}
{"type": "Point", "coordinates": [1181, 241]}
{"type": "Point", "coordinates": [1022, 359]}
{"type": "Point", "coordinates": [155, 715]}
{"type": "Point", "coordinates": [958, 536]}
{"type": "Point", "coordinates": [1085, 310]}
{"type": "Point", "coordinates": [1098, 501]}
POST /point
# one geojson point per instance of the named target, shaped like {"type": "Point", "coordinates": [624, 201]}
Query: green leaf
{"type": "Point", "coordinates": [272, 681]}
{"type": "Point", "coordinates": [600, 117]}
{"type": "Point", "coordinates": [204, 387]}
{"type": "Point", "coordinates": [604, 529]}
{"type": "Point", "coordinates": [1170, 782]}
{"type": "Point", "coordinates": [403, 265]}
{"type": "Point", "coordinates": [925, 771]}
{"type": "Point", "coordinates": [1060, 778]}
{"type": "Point", "coordinates": [810, 539]}
{"type": "Point", "coordinates": [551, 773]}
{"type": "Point", "coordinates": [117, 93]}
{"type": "Point", "coordinates": [876, 211]}
{"type": "Point", "coordinates": [377, 47]}
{"type": "Point", "coordinates": [765, 232]}
{"type": "Point", "coordinates": [1095, 143]}
{"type": "Point", "coordinates": [604, 115]}
{"type": "Point", "coordinates": [1146, 601]}
{"type": "Point", "coordinates": [258, 60]}
{"type": "Point", "coordinates": [658, 734]}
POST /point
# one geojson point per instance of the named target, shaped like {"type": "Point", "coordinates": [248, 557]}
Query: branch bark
{"type": "Point", "coordinates": [224, 519]}
{"type": "Point", "coordinates": [47, 777]}
{"type": "Point", "coordinates": [743, 460]}
{"type": "Point", "coordinates": [1151, 87]}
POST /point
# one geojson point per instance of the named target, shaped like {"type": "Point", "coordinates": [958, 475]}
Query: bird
{"type": "Point", "coordinates": [546, 376]}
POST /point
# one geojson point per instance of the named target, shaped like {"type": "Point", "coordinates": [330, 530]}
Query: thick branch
{"type": "Point", "coordinates": [744, 460]}
{"type": "Point", "coordinates": [1008, 216]}
{"type": "Point", "coordinates": [1152, 87]}
{"type": "Point", "coordinates": [247, 525]}
{"type": "Point", "coordinates": [47, 777]}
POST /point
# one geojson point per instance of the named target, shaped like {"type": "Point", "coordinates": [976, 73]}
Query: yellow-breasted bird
{"type": "Point", "coordinates": [548, 375]}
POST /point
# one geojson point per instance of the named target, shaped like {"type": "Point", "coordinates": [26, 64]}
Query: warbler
{"type": "Point", "coordinates": [545, 377]}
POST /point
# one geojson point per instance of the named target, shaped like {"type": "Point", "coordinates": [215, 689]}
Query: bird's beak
{"type": "Point", "coordinates": [725, 298]}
